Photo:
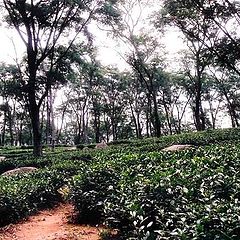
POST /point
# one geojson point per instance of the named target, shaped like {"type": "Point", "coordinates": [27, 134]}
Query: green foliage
{"type": "Point", "coordinates": [134, 187]}
{"type": "Point", "coordinates": [90, 190]}
{"type": "Point", "coordinates": [195, 138]}
{"type": "Point", "coordinates": [192, 194]}
{"type": "Point", "coordinates": [24, 194]}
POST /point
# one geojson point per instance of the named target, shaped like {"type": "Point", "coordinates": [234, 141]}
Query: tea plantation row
{"type": "Point", "coordinates": [194, 194]}
{"type": "Point", "coordinates": [137, 189]}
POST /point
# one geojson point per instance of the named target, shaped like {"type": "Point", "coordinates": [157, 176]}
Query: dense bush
{"type": "Point", "coordinates": [90, 190]}
{"type": "Point", "coordinates": [195, 138]}
{"type": "Point", "coordinates": [135, 187]}
{"type": "Point", "coordinates": [23, 194]}
{"type": "Point", "coordinates": [192, 194]}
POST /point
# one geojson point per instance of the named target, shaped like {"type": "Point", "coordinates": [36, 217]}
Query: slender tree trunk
{"type": "Point", "coordinates": [149, 118]}
{"type": "Point", "coordinates": [196, 110]}
{"type": "Point", "coordinates": [232, 112]}
{"type": "Point", "coordinates": [157, 121]}
{"type": "Point", "coordinates": [233, 115]}
{"type": "Point", "coordinates": [106, 123]}
{"type": "Point", "coordinates": [96, 113]}
{"type": "Point", "coordinates": [134, 121]}
{"type": "Point", "coordinates": [213, 116]}
{"type": "Point", "coordinates": [61, 126]}
{"type": "Point", "coordinates": [199, 115]}
{"type": "Point", "coordinates": [37, 145]}
{"type": "Point", "coordinates": [11, 129]}
{"type": "Point", "coordinates": [34, 108]}
{"type": "Point", "coordinates": [147, 124]}
{"type": "Point", "coordinates": [35, 121]}
{"type": "Point", "coordinates": [4, 128]}
{"type": "Point", "coordinates": [113, 122]}
{"type": "Point", "coordinates": [97, 128]}
{"type": "Point", "coordinates": [78, 132]}
{"type": "Point", "coordinates": [51, 121]}
{"type": "Point", "coordinates": [84, 118]}
{"type": "Point", "coordinates": [139, 125]}
{"type": "Point", "coordinates": [20, 134]}
{"type": "Point", "coordinates": [113, 128]}
{"type": "Point", "coordinates": [167, 115]}
{"type": "Point", "coordinates": [48, 122]}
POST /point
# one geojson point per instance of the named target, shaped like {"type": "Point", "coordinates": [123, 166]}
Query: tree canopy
{"type": "Point", "coordinates": [103, 103]}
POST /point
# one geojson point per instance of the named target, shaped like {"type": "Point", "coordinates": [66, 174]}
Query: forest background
{"type": "Point", "coordinates": [173, 67]}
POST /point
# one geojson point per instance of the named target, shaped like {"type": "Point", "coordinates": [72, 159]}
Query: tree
{"type": "Point", "coordinates": [12, 105]}
{"type": "Point", "coordinates": [43, 26]}
{"type": "Point", "coordinates": [221, 23]}
{"type": "Point", "coordinates": [136, 99]}
{"type": "Point", "coordinates": [195, 28]}
{"type": "Point", "coordinates": [227, 84]}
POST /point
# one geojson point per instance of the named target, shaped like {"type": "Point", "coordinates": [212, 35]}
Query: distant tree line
{"type": "Point", "coordinates": [103, 103]}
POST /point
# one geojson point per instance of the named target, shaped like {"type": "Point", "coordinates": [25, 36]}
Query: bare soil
{"type": "Point", "coordinates": [50, 225]}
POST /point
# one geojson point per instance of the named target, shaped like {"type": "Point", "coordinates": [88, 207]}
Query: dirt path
{"type": "Point", "coordinates": [49, 225]}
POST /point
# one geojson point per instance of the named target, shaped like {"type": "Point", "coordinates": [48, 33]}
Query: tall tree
{"type": "Point", "coordinates": [194, 27]}
{"type": "Point", "coordinates": [12, 100]}
{"type": "Point", "coordinates": [43, 26]}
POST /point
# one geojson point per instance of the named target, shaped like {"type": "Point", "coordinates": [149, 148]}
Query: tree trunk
{"type": "Point", "coordinates": [59, 132]}
{"type": "Point", "coordinates": [35, 121]}
{"type": "Point", "coordinates": [139, 125]}
{"type": "Point", "coordinates": [198, 115]}
{"type": "Point", "coordinates": [107, 127]}
{"type": "Point", "coordinates": [157, 122]}
{"type": "Point", "coordinates": [134, 121]}
{"type": "Point", "coordinates": [96, 123]}
{"type": "Point", "coordinates": [167, 115]}
{"type": "Point", "coordinates": [147, 125]}
{"type": "Point", "coordinates": [232, 111]}
{"type": "Point", "coordinates": [149, 117]}
{"type": "Point", "coordinates": [4, 128]}
{"type": "Point", "coordinates": [20, 134]}
{"type": "Point", "coordinates": [53, 135]}
{"type": "Point", "coordinates": [34, 108]}
{"type": "Point", "coordinates": [97, 129]}
{"type": "Point", "coordinates": [233, 115]}
{"type": "Point", "coordinates": [11, 129]}
{"type": "Point", "coordinates": [37, 137]}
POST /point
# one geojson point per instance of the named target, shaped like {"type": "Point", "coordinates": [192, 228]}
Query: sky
{"type": "Point", "coordinates": [11, 46]}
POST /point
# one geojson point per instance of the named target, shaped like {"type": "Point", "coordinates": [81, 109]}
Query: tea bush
{"type": "Point", "coordinates": [135, 187]}
{"type": "Point", "coordinates": [90, 190]}
{"type": "Point", "coordinates": [192, 194]}
{"type": "Point", "coordinates": [23, 194]}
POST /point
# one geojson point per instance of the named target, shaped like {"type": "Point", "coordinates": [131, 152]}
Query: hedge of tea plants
{"type": "Point", "coordinates": [24, 194]}
{"type": "Point", "coordinates": [193, 194]}
{"type": "Point", "coordinates": [135, 187]}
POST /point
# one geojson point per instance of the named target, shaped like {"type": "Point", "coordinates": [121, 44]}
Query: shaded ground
{"type": "Point", "coordinates": [49, 225]}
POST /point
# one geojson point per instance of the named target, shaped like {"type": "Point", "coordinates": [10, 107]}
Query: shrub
{"type": "Point", "coordinates": [23, 194]}
{"type": "Point", "coordinates": [192, 194]}
{"type": "Point", "coordinates": [90, 190]}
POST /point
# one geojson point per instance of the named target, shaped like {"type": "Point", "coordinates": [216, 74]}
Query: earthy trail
{"type": "Point", "coordinates": [49, 225]}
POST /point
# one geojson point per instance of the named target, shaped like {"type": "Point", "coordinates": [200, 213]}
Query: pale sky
{"type": "Point", "coordinates": [7, 37]}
